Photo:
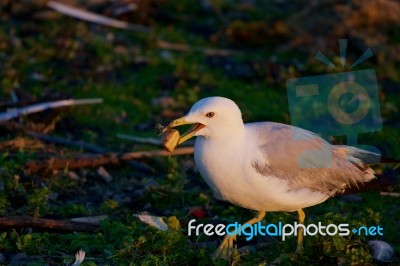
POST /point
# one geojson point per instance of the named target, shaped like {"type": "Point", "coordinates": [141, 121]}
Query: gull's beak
{"type": "Point", "coordinates": [190, 132]}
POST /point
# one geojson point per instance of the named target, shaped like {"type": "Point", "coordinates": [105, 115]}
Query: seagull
{"type": "Point", "coordinates": [268, 166]}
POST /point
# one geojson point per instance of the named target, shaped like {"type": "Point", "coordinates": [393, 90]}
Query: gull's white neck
{"type": "Point", "coordinates": [218, 158]}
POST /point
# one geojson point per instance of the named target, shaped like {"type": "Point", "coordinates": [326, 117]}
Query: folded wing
{"type": "Point", "coordinates": [305, 160]}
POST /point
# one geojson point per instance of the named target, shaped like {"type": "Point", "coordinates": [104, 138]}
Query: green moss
{"type": "Point", "coordinates": [37, 202]}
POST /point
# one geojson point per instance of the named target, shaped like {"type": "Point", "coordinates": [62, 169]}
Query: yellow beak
{"type": "Point", "coordinates": [190, 132]}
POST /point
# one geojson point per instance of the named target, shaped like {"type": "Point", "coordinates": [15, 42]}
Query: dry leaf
{"type": "Point", "coordinates": [154, 221]}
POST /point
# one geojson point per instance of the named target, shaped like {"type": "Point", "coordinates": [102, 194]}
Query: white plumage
{"type": "Point", "coordinates": [268, 166]}
{"type": "Point", "coordinates": [258, 165]}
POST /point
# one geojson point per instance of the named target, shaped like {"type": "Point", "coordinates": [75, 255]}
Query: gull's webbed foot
{"type": "Point", "coordinates": [225, 249]}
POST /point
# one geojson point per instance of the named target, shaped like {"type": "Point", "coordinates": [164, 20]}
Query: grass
{"type": "Point", "coordinates": [80, 60]}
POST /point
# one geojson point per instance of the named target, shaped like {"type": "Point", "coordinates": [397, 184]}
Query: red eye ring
{"type": "Point", "coordinates": [210, 114]}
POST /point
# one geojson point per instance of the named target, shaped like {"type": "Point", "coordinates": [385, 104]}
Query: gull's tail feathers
{"type": "Point", "coordinates": [362, 155]}
{"type": "Point", "coordinates": [389, 177]}
{"type": "Point", "coordinates": [365, 156]}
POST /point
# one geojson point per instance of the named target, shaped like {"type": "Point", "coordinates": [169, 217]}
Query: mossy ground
{"type": "Point", "coordinates": [69, 58]}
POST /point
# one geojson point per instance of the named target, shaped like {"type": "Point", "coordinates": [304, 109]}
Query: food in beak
{"type": "Point", "coordinates": [170, 137]}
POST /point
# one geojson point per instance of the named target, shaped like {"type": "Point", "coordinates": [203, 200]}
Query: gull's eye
{"type": "Point", "coordinates": [210, 114]}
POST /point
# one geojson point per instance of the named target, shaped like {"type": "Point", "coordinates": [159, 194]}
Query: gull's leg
{"type": "Point", "coordinates": [300, 232]}
{"type": "Point", "coordinates": [225, 249]}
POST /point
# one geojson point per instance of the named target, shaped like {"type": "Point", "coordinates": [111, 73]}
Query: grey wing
{"type": "Point", "coordinates": [305, 160]}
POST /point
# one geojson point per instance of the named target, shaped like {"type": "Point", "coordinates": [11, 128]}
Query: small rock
{"type": "Point", "coordinates": [168, 213]}
{"type": "Point", "coordinates": [53, 196]}
{"type": "Point", "coordinates": [19, 259]}
{"type": "Point", "coordinates": [139, 193]}
{"type": "Point", "coordinates": [38, 77]}
{"type": "Point", "coordinates": [104, 174]}
{"type": "Point", "coordinates": [351, 198]}
{"type": "Point", "coordinates": [341, 261]}
{"type": "Point", "coordinates": [73, 176]}
{"type": "Point", "coordinates": [90, 219]}
{"type": "Point", "coordinates": [122, 199]}
{"type": "Point", "coordinates": [2, 259]}
{"type": "Point", "coordinates": [166, 54]}
{"type": "Point", "coordinates": [147, 206]}
{"type": "Point", "coordinates": [149, 184]}
{"type": "Point", "coordinates": [382, 251]}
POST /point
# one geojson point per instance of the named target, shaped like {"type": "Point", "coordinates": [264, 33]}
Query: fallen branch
{"type": "Point", "coordinates": [151, 141]}
{"type": "Point", "coordinates": [61, 141]}
{"type": "Point", "coordinates": [180, 47]}
{"type": "Point", "coordinates": [65, 142]}
{"type": "Point", "coordinates": [39, 107]}
{"type": "Point", "coordinates": [58, 225]}
{"type": "Point", "coordinates": [148, 154]}
{"type": "Point", "coordinates": [391, 194]}
{"type": "Point", "coordinates": [97, 160]}
{"type": "Point", "coordinates": [94, 18]}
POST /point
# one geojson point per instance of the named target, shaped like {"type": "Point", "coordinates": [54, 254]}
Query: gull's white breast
{"type": "Point", "coordinates": [226, 166]}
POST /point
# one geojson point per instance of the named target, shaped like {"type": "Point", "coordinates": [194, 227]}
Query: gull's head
{"type": "Point", "coordinates": [212, 117]}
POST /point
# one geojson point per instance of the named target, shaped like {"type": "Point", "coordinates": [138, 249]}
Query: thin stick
{"type": "Point", "coordinates": [180, 47]}
{"type": "Point", "coordinates": [39, 107]}
{"type": "Point", "coordinates": [148, 154]}
{"type": "Point", "coordinates": [391, 194]}
{"type": "Point", "coordinates": [95, 18]}
{"type": "Point", "coordinates": [58, 225]}
{"type": "Point", "coordinates": [98, 160]}
{"type": "Point", "coordinates": [65, 142]}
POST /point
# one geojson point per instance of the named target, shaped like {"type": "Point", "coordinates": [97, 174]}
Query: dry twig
{"type": "Point", "coordinates": [58, 225]}
{"type": "Point", "coordinates": [180, 47]}
{"type": "Point", "coordinates": [39, 107]}
{"type": "Point", "coordinates": [98, 160]}
{"type": "Point", "coordinates": [391, 194]}
{"type": "Point", "coordinates": [94, 18]}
